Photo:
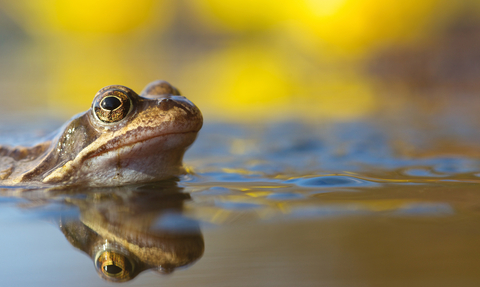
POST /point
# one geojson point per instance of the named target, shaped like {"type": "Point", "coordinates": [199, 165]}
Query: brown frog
{"type": "Point", "coordinates": [123, 138]}
{"type": "Point", "coordinates": [128, 230]}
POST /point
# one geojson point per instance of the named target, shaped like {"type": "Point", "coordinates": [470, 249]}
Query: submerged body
{"type": "Point", "coordinates": [123, 138]}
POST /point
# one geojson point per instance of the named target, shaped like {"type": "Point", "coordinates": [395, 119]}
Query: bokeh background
{"type": "Point", "coordinates": [244, 61]}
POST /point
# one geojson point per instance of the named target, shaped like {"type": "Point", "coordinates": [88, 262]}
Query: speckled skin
{"type": "Point", "coordinates": [148, 144]}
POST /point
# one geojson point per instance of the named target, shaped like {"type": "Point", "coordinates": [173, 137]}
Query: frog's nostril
{"type": "Point", "coordinates": [166, 104]}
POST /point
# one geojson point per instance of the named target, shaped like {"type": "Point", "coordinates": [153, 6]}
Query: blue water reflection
{"type": "Point", "coordinates": [331, 181]}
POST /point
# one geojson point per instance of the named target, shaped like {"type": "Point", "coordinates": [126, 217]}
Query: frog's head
{"type": "Point", "coordinates": [124, 138]}
{"type": "Point", "coordinates": [159, 110]}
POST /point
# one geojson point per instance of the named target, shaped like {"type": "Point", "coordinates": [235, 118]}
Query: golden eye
{"type": "Point", "coordinates": [112, 106]}
{"type": "Point", "coordinates": [114, 266]}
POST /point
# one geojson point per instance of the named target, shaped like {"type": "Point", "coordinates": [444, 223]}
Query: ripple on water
{"type": "Point", "coordinates": [331, 181]}
{"type": "Point", "coordinates": [327, 211]}
{"type": "Point", "coordinates": [442, 167]}
{"type": "Point", "coordinates": [232, 177]}
{"type": "Point", "coordinates": [237, 205]}
{"type": "Point", "coordinates": [285, 196]}
{"type": "Point", "coordinates": [216, 190]}
{"type": "Point", "coordinates": [422, 172]}
{"type": "Point", "coordinates": [456, 165]}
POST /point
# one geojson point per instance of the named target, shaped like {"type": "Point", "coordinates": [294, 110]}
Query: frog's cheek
{"type": "Point", "coordinates": [61, 173]}
{"type": "Point", "coordinates": [6, 167]}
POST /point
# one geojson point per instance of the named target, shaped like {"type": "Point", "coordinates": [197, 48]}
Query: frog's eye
{"type": "Point", "coordinates": [112, 106]}
{"type": "Point", "coordinates": [114, 266]}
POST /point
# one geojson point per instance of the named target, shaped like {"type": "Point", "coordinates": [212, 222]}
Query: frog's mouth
{"type": "Point", "coordinates": [118, 144]}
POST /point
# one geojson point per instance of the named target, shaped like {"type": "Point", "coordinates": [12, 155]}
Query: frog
{"type": "Point", "coordinates": [124, 138]}
{"type": "Point", "coordinates": [122, 230]}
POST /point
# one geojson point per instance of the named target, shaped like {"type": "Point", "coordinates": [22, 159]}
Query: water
{"type": "Point", "coordinates": [365, 203]}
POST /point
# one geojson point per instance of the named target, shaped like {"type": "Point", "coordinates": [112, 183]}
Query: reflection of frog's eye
{"type": "Point", "coordinates": [114, 266]}
{"type": "Point", "coordinates": [112, 106]}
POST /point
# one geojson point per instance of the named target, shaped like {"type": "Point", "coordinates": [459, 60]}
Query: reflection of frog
{"type": "Point", "coordinates": [124, 231]}
{"type": "Point", "coordinates": [124, 138]}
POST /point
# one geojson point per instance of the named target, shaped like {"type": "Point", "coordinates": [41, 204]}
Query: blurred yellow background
{"type": "Point", "coordinates": [240, 61]}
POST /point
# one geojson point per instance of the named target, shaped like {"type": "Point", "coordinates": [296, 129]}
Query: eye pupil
{"type": "Point", "coordinates": [110, 103]}
{"type": "Point", "coordinates": [112, 269]}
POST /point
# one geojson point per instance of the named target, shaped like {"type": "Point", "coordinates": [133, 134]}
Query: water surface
{"type": "Point", "coordinates": [282, 204]}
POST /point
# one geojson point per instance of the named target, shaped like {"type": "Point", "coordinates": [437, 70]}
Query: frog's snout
{"type": "Point", "coordinates": [166, 104]}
